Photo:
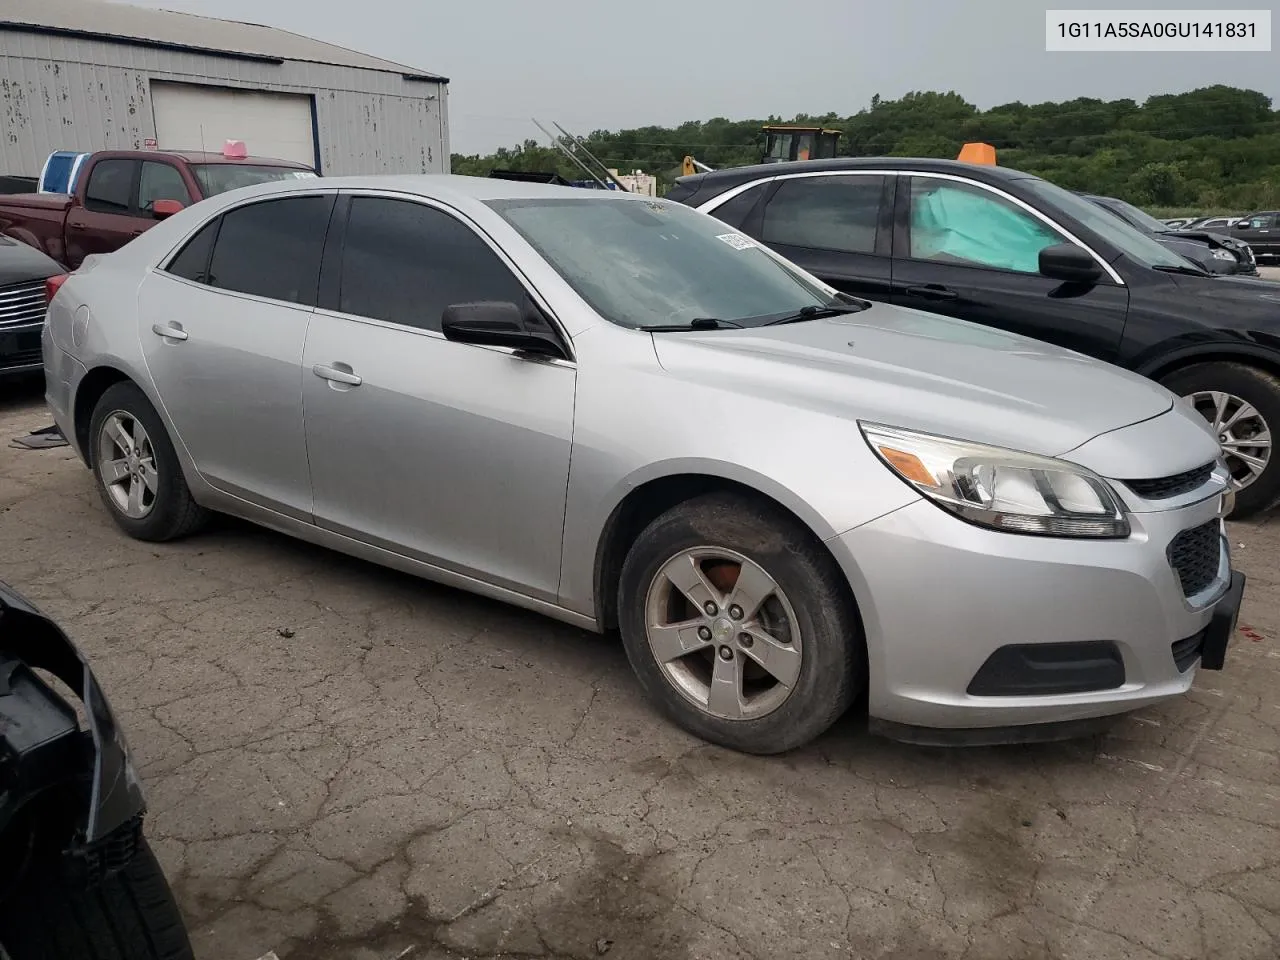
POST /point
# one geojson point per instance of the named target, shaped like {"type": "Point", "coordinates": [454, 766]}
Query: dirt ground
{"type": "Point", "coordinates": [344, 763]}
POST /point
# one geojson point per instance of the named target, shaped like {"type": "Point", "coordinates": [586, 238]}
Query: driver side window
{"type": "Point", "coordinates": [957, 223]}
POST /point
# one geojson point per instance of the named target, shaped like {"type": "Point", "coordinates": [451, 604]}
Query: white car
{"type": "Point", "coordinates": [620, 412]}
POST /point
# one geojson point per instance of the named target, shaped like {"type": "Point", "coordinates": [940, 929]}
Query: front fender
{"type": "Point", "coordinates": [1157, 365]}
{"type": "Point", "coordinates": [35, 641]}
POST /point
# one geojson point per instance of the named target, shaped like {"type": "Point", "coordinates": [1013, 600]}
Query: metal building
{"type": "Point", "coordinates": [91, 75]}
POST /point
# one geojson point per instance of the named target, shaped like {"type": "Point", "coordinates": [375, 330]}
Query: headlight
{"type": "Point", "coordinates": [1224, 255]}
{"type": "Point", "coordinates": [1004, 489]}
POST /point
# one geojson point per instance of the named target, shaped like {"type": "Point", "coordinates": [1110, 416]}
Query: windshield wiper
{"type": "Point", "coordinates": [697, 323]}
{"type": "Point", "coordinates": [819, 313]}
{"type": "Point", "coordinates": [1189, 271]}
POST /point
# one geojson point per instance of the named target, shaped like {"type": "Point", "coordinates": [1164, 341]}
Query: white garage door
{"type": "Point", "coordinates": [193, 117]}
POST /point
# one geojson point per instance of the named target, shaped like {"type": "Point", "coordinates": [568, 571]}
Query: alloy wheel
{"type": "Point", "coordinates": [723, 632]}
{"type": "Point", "coordinates": [127, 465]}
{"type": "Point", "coordinates": [1242, 432]}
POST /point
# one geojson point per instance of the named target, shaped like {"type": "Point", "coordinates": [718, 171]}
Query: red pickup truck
{"type": "Point", "coordinates": [121, 193]}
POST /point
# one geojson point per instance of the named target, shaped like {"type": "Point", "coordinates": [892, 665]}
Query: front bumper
{"type": "Point", "coordinates": [20, 349]}
{"type": "Point", "coordinates": [939, 597]}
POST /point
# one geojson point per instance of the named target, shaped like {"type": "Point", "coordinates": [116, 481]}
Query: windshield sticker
{"type": "Point", "coordinates": [737, 241]}
{"type": "Point", "coordinates": [304, 174]}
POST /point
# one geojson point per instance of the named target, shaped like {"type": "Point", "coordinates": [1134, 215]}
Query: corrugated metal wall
{"type": "Point", "coordinates": [69, 93]}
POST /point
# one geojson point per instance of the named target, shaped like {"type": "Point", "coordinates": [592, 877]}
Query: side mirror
{"type": "Point", "coordinates": [1069, 263]}
{"type": "Point", "coordinates": [499, 324]}
{"type": "Point", "coordinates": [166, 208]}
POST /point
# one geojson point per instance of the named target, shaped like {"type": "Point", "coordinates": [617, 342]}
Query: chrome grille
{"type": "Point", "coordinates": [22, 303]}
{"type": "Point", "coordinates": [1195, 555]}
{"type": "Point", "coordinates": [1162, 488]}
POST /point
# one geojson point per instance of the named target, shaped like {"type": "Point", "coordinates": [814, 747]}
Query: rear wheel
{"type": "Point", "coordinates": [1242, 404]}
{"type": "Point", "coordinates": [127, 915]}
{"type": "Point", "coordinates": [139, 477]}
{"type": "Point", "coordinates": [738, 624]}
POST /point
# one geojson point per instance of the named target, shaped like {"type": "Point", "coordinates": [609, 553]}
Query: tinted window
{"type": "Point", "coordinates": [955, 223]}
{"type": "Point", "coordinates": [215, 178]}
{"type": "Point", "coordinates": [826, 213]}
{"type": "Point", "coordinates": [641, 262]}
{"type": "Point", "coordinates": [160, 181]}
{"type": "Point", "coordinates": [110, 186]}
{"type": "Point", "coordinates": [192, 261]}
{"type": "Point", "coordinates": [405, 262]}
{"type": "Point", "coordinates": [735, 210]}
{"type": "Point", "coordinates": [272, 249]}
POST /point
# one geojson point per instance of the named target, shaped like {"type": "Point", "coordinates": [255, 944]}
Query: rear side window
{"type": "Point", "coordinates": [735, 210]}
{"type": "Point", "coordinates": [110, 186]}
{"type": "Point", "coordinates": [405, 262]}
{"type": "Point", "coordinates": [272, 249]}
{"type": "Point", "coordinates": [192, 261]}
{"type": "Point", "coordinates": [837, 213]}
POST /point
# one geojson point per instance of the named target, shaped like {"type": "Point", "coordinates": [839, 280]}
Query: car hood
{"type": "Point", "coordinates": [20, 261]}
{"type": "Point", "coordinates": [918, 370]}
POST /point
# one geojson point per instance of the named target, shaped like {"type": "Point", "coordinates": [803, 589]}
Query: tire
{"type": "Point", "coordinates": [171, 512]}
{"type": "Point", "coordinates": [128, 915]}
{"type": "Point", "coordinates": [811, 591]}
{"type": "Point", "coordinates": [1255, 387]}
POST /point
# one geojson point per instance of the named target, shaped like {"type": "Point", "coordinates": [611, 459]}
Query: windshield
{"type": "Point", "coordinates": [643, 263]}
{"type": "Point", "coordinates": [1141, 218]}
{"type": "Point", "coordinates": [216, 178]}
{"type": "Point", "coordinates": [1132, 241]}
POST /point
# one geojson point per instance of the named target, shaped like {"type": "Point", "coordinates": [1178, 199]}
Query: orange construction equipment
{"type": "Point", "coordinates": [983, 153]}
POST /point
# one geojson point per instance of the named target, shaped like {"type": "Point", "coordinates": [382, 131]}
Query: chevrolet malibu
{"type": "Point", "coordinates": [618, 412]}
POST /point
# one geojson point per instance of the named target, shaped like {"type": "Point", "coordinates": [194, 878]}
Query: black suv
{"type": "Point", "coordinates": [1010, 250]}
{"type": "Point", "coordinates": [1261, 231]}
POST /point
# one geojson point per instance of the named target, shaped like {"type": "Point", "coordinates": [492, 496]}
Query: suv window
{"type": "Point", "coordinates": [957, 223]}
{"type": "Point", "coordinates": [735, 210]}
{"type": "Point", "coordinates": [404, 262]}
{"type": "Point", "coordinates": [272, 249]}
{"type": "Point", "coordinates": [110, 186]}
{"type": "Point", "coordinates": [825, 213]}
{"type": "Point", "coordinates": [192, 261]}
{"type": "Point", "coordinates": [1257, 221]}
{"type": "Point", "coordinates": [160, 181]}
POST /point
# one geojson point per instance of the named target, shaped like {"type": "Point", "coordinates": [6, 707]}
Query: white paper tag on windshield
{"type": "Point", "coordinates": [737, 241]}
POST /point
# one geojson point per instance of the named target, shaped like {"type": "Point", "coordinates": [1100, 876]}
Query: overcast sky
{"type": "Point", "coordinates": [616, 65]}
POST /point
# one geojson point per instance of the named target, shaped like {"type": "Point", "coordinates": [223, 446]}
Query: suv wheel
{"type": "Point", "coordinates": [739, 626]}
{"type": "Point", "coordinates": [1242, 404]}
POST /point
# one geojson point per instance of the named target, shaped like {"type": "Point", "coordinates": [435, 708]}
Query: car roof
{"type": "Point", "coordinates": [443, 186]}
{"type": "Point", "coordinates": [921, 164]}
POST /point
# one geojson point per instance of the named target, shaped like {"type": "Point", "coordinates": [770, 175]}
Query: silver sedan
{"type": "Point", "coordinates": [618, 412]}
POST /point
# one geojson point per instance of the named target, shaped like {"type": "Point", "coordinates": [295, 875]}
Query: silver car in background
{"type": "Point", "coordinates": [618, 412]}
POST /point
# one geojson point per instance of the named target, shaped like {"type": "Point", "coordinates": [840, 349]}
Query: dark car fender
{"type": "Point", "coordinates": [1244, 351]}
{"type": "Point", "coordinates": [29, 638]}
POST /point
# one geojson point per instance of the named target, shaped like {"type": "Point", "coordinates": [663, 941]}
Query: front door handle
{"type": "Point", "coordinates": [326, 372]}
{"type": "Point", "coordinates": [933, 291]}
{"type": "Point", "coordinates": [170, 331]}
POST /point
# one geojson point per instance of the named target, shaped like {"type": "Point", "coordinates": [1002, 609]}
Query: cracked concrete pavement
{"type": "Point", "coordinates": [344, 763]}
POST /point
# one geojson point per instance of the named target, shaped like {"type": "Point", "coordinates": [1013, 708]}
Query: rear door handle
{"type": "Point", "coordinates": [326, 372]}
{"type": "Point", "coordinates": [168, 331]}
{"type": "Point", "coordinates": [932, 291]}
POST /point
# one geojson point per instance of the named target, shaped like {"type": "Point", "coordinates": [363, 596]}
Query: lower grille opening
{"type": "Point", "coordinates": [1195, 555]}
{"type": "Point", "coordinates": [1043, 669]}
{"type": "Point", "coordinates": [1187, 652]}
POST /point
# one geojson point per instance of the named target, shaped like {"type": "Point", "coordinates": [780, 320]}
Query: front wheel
{"type": "Point", "coordinates": [739, 625]}
{"type": "Point", "coordinates": [127, 915]}
{"type": "Point", "coordinates": [1242, 405]}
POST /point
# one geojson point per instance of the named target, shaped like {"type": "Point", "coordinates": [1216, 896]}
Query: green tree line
{"type": "Point", "coordinates": [1215, 149]}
